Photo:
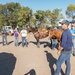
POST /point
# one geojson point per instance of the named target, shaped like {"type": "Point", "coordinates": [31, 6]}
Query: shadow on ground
{"type": "Point", "coordinates": [52, 61]}
{"type": "Point", "coordinates": [7, 63]}
{"type": "Point", "coordinates": [19, 43]}
{"type": "Point", "coordinates": [0, 42]}
{"type": "Point", "coordinates": [10, 42]}
{"type": "Point", "coordinates": [46, 44]}
{"type": "Point", "coordinates": [31, 72]}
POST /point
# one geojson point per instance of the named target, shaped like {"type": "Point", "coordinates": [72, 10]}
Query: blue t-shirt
{"type": "Point", "coordinates": [73, 32]}
{"type": "Point", "coordinates": [66, 40]}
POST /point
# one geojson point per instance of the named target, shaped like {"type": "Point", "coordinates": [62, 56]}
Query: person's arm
{"type": "Point", "coordinates": [73, 34]}
{"type": "Point", "coordinates": [5, 32]}
{"type": "Point", "coordinates": [26, 34]}
{"type": "Point", "coordinates": [18, 33]}
{"type": "Point", "coordinates": [63, 43]}
{"type": "Point", "coordinates": [59, 49]}
{"type": "Point", "coordinates": [21, 33]}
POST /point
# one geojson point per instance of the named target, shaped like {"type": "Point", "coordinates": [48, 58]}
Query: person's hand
{"type": "Point", "coordinates": [48, 38]}
{"type": "Point", "coordinates": [58, 52]}
{"type": "Point", "coordinates": [58, 47]}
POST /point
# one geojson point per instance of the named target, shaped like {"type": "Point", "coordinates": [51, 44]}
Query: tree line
{"type": "Point", "coordinates": [14, 14]}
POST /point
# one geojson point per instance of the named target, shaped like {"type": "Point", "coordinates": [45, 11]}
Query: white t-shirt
{"type": "Point", "coordinates": [24, 33]}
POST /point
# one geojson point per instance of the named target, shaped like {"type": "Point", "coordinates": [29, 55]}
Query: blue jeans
{"type": "Point", "coordinates": [24, 40]}
{"type": "Point", "coordinates": [53, 43]}
{"type": "Point", "coordinates": [4, 37]}
{"type": "Point", "coordinates": [73, 42]}
{"type": "Point", "coordinates": [63, 57]}
{"type": "Point", "coordinates": [38, 44]}
{"type": "Point", "coordinates": [15, 41]}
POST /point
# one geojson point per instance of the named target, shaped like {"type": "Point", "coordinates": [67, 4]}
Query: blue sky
{"type": "Point", "coordinates": [43, 4]}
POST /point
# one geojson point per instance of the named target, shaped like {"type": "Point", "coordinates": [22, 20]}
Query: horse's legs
{"type": "Point", "coordinates": [53, 43]}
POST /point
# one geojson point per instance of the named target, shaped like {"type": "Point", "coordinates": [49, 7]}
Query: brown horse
{"type": "Point", "coordinates": [55, 34]}
{"type": "Point", "coordinates": [32, 29]}
{"type": "Point", "coordinates": [39, 33]}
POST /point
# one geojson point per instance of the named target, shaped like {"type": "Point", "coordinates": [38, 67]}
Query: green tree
{"type": "Point", "coordinates": [24, 15]}
{"type": "Point", "coordinates": [55, 16]}
{"type": "Point", "coordinates": [1, 6]}
{"type": "Point", "coordinates": [39, 15]}
{"type": "Point", "coordinates": [48, 15]}
{"type": "Point", "coordinates": [70, 11]}
{"type": "Point", "coordinates": [9, 13]}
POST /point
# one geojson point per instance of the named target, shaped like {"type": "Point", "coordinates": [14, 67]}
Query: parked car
{"type": "Point", "coordinates": [9, 29]}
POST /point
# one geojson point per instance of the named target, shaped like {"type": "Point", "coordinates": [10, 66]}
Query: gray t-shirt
{"type": "Point", "coordinates": [4, 32]}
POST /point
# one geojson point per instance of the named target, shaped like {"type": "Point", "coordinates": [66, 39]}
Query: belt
{"type": "Point", "coordinates": [66, 50]}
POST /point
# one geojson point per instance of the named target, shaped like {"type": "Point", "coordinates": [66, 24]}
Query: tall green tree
{"type": "Point", "coordinates": [10, 13]}
{"type": "Point", "coordinates": [39, 15]}
{"type": "Point", "coordinates": [24, 15]}
{"type": "Point", "coordinates": [55, 16]}
{"type": "Point", "coordinates": [1, 6]}
{"type": "Point", "coordinates": [70, 11]}
{"type": "Point", "coordinates": [48, 15]}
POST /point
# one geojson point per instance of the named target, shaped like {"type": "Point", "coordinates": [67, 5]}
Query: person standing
{"type": "Point", "coordinates": [24, 34]}
{"type": "Point", "coordinates": [73, 38]}
{"type": "Point", "coordinates": [16, 35]}
{"type": "Point", "coordinates": [65, 49]}
{"type": "Point", "coordinates": [4, 36]}
{"type": "Point", "coordinates": [53, 41]}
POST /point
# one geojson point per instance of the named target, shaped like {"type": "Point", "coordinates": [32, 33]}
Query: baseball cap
{"type": "Point", "coordinates": [64, 22]}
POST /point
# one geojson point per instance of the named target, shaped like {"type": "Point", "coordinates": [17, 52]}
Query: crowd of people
{"type": "Point", "coordinates": [16, 34]}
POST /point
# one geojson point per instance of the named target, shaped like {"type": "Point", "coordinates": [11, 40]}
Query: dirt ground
{"type": "Point", "coordinates": [32, 60]}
